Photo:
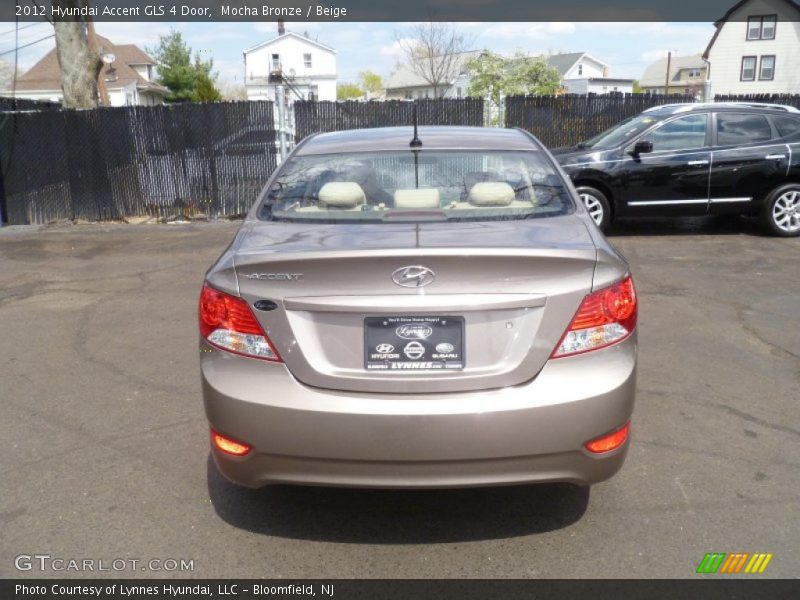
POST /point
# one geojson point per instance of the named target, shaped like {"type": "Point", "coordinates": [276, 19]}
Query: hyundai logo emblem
{"type": "Point", "coordinates": [413, 277]}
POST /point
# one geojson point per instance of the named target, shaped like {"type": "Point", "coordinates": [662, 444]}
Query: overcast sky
{"type": "Point", "coordinates": [627, 47]}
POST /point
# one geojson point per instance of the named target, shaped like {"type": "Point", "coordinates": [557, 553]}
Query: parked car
{"type": "Point", "coordinates": [401, 315]}
{"type": "Point", "coordinates": [694, 159]}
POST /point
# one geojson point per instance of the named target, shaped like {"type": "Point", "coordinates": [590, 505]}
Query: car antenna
{"type": "Point", "coordinates": [415, 141]}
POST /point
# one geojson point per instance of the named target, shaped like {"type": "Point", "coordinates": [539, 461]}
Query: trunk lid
{"type": "Point", "coordinates": [516, 284]}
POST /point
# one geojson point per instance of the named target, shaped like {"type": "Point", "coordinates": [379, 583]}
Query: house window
{"type": "Point", "coordinates": [767, 70]}
{"type": "Point", "coordinates": [307, 60]}
{"type": "Point", "coordinates": [748, 68]}
{"type": "Point", "coordinates": [694, 73]}
{"type": "Point", "coordinates": [761, 28]}
{"type": "Point", "coordinates": [276, 62]}
{"type": "Point", "coordinates": [580, 69]}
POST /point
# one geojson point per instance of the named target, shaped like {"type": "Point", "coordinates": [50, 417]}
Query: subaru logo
{"type": "Point", "coordinates": [412, 277]}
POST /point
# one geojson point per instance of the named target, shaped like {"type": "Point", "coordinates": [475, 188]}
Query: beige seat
{"type": "Point", "coordinates": [424, 198]}
{"type": "Point", "coordinates": [491, 193]}
{"type": "Point", "coordinates": [342, 195]}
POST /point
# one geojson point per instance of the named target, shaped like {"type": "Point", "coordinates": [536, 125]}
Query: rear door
{"type": "Point", "coordinates": [673, 178]}
{"type": "Point", "coordinates": [747, 161]}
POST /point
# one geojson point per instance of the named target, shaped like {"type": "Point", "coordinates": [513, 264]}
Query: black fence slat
{"type": "Point", "coordinates": [784, 99]}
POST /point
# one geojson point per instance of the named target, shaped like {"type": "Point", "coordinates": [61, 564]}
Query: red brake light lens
{"type": "Point", "coordinates": [227, 322]}
{"type": "Point", "coordinates": [609, 442]}
{"type": "Point", "coordinates": [605, 317]}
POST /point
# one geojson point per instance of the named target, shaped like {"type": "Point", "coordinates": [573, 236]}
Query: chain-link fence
{"type": "Point", "coordinates": [312, 117]}
{"type": "Point", "coordinates": [185, 159]}
{"type": "Point", "coordinates": [568, 119]}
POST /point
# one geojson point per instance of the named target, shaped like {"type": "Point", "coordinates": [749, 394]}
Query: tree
{"type": "Point", "coordinates": [346, 91]}
{"type": "Point", "coordinates": [637, 87]}
{"type": "Point", "coordinates": [432, 50]}
{"type": "Point", "coordinates": [79, 64]}
{"type": "Point", "coordinates": [6, 74]}
{"type": "Point", "coordinates": [494, 76]}
{"type": "Point", "coordinates": [187, 80]}
{"type": "Point", "coordinates": [370, 82]}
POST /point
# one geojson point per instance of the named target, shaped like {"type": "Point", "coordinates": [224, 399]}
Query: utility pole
{"type": "Point", "coordinates": [669, 64]}
{"type": "Point", "coordinates": [79, 64]}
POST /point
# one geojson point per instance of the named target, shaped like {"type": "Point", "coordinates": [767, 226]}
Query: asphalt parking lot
{"type": "Point", "coordinates": [105, 442]}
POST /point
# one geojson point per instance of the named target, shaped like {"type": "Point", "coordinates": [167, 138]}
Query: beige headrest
{"type": "Point", "coordinates": [426, 198]}
{"type": "Point", "coordinates": [491, 193]}
{"type": "Point", "coordinates": [341, 194]}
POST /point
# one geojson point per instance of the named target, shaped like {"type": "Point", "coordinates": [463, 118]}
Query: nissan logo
{"type": "Point", "coordinates": [413, 277]}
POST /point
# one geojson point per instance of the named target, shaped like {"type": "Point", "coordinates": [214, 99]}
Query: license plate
{"type": "Point", "coordinates": [413, 343]}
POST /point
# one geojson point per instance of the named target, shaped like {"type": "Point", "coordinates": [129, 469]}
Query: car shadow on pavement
{"type": "Point", "coordinates": [708, 225]}
{"type": "Point", "coordinates": [344, 515]}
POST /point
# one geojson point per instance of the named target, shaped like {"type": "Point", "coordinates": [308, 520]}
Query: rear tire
{"type": "Point", "coordinates": [780, 214]}
{"type": "Point", "coordinates": [597, 204]}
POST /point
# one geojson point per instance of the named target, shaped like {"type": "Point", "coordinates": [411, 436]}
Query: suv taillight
{"type": "Point", "coordinates": [227, 322]}
{"type": "Point", "coordinates": [605, 317]}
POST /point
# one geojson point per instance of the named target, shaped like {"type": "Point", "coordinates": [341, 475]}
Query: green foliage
{"type": "Point", "coordinates": [495, 76]}
{"type": "Point", "coordinates": [187, 80]}
{"type": "Point", "coordinates": [346, 91]}
{"type": "Point", "coordinates": [370, 82]}
{"type": "Point", "coordinates": [637, 88]}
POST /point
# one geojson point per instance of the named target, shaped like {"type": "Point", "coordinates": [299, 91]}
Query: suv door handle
{"type": "Point", "coordinates": [697, 163]}
{"type": "Point", "coordinates": [775, 156]}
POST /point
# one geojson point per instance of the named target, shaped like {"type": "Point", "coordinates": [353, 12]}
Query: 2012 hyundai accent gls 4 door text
{"type": "Point", "coordinates": [429, 309]}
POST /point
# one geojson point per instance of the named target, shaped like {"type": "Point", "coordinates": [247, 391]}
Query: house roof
{"type": "Point", "coordinates": [45, 75]}
{"type": "Point", "coordinates": [290, 34]}
{"type": "Point", "coordinates": [565, 61]}
{"type": "Point", "coordinates": [724, 19]}
{"type": "Point", "coordinates": [655, 74]}
{"type": "Point", "coordinates": [405, 77]}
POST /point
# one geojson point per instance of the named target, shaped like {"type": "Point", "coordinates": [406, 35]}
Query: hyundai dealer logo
{"type": "Point", "coordinates": [413, 276]}
{"type": "Point", "coordinates": [414, 350]}
{"type": "Point", "coordinates": [384, 348]}
{"type": "Point", "coordinates": [414, 331]}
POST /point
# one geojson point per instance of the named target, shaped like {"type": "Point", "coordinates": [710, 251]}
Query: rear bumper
{"type": "Point", "coordinates": [528, 433]}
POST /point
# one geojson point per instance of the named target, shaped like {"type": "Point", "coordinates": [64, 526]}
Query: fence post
{"type": "Point", "coordinates": [281, 99]}
{"type": "Point", "coordinates": [3, 211]}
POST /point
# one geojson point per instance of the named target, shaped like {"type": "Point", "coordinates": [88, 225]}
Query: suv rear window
{"type": "Point", "coordinates": [742, 129]}
{"type": "Point", "coordinates": [416, 185]}
{"type": "Point", "coordinates": [786, 126]}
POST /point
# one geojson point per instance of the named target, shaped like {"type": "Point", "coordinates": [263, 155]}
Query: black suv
{"type": "Point", "coordinates": [694, 159]}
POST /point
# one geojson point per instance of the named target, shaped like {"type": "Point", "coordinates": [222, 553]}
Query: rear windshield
{"type": "Point", "coordinates": [416, 185]}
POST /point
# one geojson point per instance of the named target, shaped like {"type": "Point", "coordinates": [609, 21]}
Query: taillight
{"type": "Point", "coordinates": [605, 317]}
{"type": "Point", "coordinates": [227, 322]}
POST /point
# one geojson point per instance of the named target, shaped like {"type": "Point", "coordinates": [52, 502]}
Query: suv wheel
{"type": "Point", "coordinates": [597, 204]}
{"type": "Point", "coordinates": [781, 212]}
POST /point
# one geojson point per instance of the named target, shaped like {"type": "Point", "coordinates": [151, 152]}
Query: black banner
{"type": "Point", "coordinates": [397, 589]}
{"type": "Point", "coordinates": [369, 10]}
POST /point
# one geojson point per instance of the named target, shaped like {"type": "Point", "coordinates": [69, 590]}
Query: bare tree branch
{"type": "Point", "coordinates": [432, 51]}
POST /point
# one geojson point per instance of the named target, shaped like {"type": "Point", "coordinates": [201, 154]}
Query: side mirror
{"type": "Point", "coordinates": [642, 147]}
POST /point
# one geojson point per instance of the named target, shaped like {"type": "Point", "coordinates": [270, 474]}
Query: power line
{"type": "Point", "coordinates": [24, 27]}
{"type": "Point", "coordinates": [18, 48]}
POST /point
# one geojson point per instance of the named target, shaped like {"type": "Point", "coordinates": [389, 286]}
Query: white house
{"type": "Point", "coordinates": [129, 77]}
{"type": "Point", "coordinates": [756, 49]}
{"type": "Point", "coordinates": [308, 67]}
{"type": "Point", "coordinates": [582, 73]}
{"type": "Point", "coordinates": [406, 82]}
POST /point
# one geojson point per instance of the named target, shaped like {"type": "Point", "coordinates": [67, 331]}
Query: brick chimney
{"type": "Point", "coordinates": [281, 27]}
